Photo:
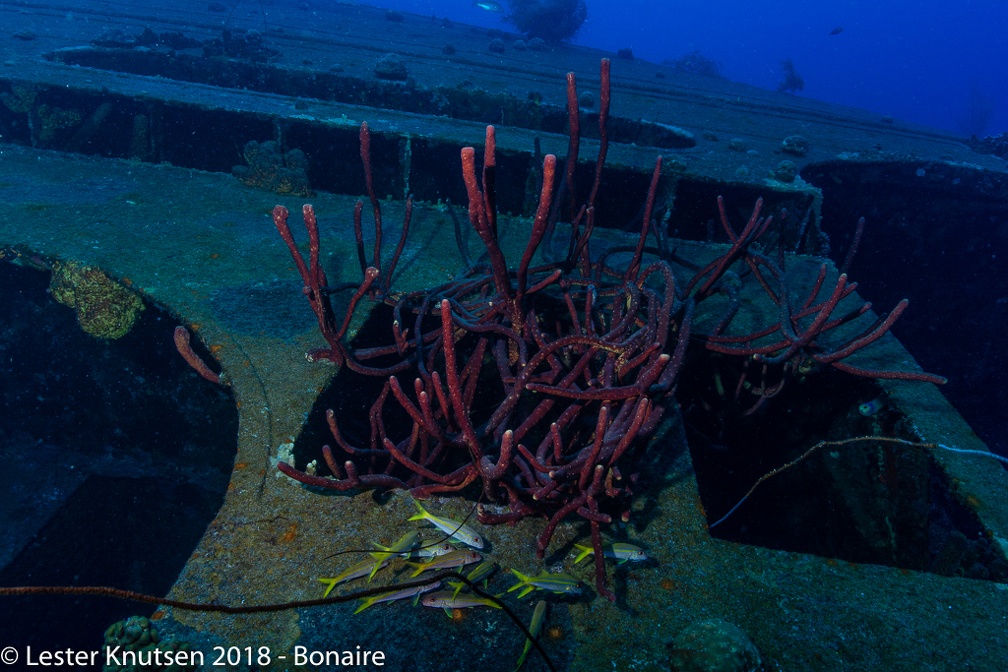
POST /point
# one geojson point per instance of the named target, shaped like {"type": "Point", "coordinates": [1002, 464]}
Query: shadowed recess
{"type": "Point", "coordinates": [868, 503]}
{"type": "Point", "coordinates": [116, 455]}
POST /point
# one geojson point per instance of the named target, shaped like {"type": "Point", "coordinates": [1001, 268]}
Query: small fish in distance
{"type": "Point", "coordinates": [488, 5]}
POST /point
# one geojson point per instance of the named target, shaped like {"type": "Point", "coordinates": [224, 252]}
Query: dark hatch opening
{"type": "Point", "coordinates": [116, 457]}
{"type": "Point", "coordinates": [936, 234]}
{"type": "Point", "coordinates": [866, 503]}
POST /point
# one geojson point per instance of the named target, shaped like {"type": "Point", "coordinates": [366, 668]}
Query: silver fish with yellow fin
{"type": "Point", "coordinates": [563, 584]}
{"type": "Point", "coordinates": [451, 560]}
{"type": "Point", "coordinates": [405, 544]}
{"type": "Point", "coordinates": [620, 551]}
{"type": "Point", "coordinates": [458, 531]}
{"type": "Point", "coordinates": [535, 627]}
{"type": "Point", "coordinates": [445, 599]}
{"type": "Point", "coordinates": [366, 568]}
{"type": "Point", "coordinates": [394, 595]}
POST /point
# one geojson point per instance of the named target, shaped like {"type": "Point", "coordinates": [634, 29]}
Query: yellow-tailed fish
{"type": "Point", "coordinates": [458, 558]}
{"type": "Point", "coordinates": [481, 571]}
{"type": "Point", "coordinates": [563, 584]}
{"type": "Point", "coordinates": [620, 551]}
{"type": "Point", "coordinates": [401, 547]}
{"type": "Point", "coordinates": [394, 595]}
{"type": "Point", "coordinates": [433, 550]}
{"type": "Point", "coordinates": [456, 530]}
{"type": "Point", "coordinates": [444, 599]}
{"type": "Point", "coordinates": [363, 568]}
{"type": "Point", "coordinates": [457, 587]}
{"type": "Point", "coordinates": [478, 573]}
{"type": "Point", "coordinates": [535, 627]}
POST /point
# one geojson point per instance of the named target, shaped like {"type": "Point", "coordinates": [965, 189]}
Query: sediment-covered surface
{"type": "Point", "coordinates": [203, 246]}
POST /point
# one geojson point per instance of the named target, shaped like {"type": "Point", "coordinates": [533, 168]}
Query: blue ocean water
{"type": "Point", "coordinates": [932, 62]}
